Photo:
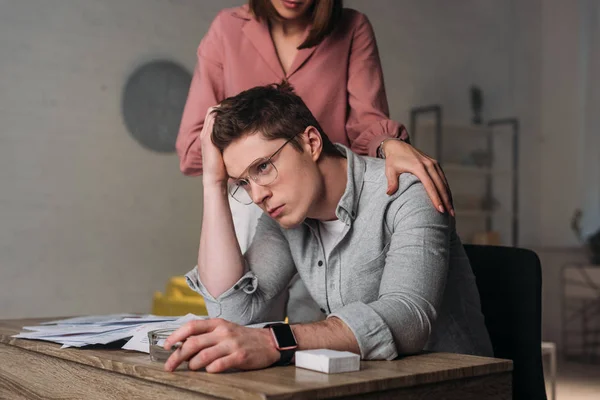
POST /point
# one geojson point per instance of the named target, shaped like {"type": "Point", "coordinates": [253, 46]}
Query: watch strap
{"type": "Point", "coordinates": [286, 356]}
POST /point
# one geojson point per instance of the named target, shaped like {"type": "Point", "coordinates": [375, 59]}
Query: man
{"type": "Point", "coordinates": [389, 271]}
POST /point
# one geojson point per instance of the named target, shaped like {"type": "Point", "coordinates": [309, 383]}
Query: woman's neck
{"type": "Point", "coordinates": [289, 29]}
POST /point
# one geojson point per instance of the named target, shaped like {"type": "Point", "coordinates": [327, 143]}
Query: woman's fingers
{"type": "Point", "coordinates": [442, 189]}
{"type": "Point", "coordinates": [446, 192]}
{"type": "Point", "coordinates": [392, 177]}
{"type": "Point", "coordinates": [430, 187]}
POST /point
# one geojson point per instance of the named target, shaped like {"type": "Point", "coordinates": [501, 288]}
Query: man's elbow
{"type": "Point", "coordinates": [412, 341]}
{"type": "Point", "coordinates": [413, 345]}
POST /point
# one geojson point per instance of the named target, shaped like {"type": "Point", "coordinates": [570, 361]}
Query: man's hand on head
{"type": "Point", "coordinates": [214, 172]}
{"type": "Point", "coordinates": [219, 345]}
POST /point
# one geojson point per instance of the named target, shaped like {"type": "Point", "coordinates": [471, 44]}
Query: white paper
{"type": "Point", "coordinates": [89, 319]}
{"type": "Point", "coordinates": [98, 329]}
{"type": "Point", "coordinates": [110, 319]}
{"type": "Point", "coordinates": [105, 329]}
{"type": "Point", "coordinates": [54, 330]}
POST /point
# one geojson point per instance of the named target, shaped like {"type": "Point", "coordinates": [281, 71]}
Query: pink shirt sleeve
{"type": "Point", "coordinates": [368, 121]}
{"type": "Point", "coordinates": [206, 90]}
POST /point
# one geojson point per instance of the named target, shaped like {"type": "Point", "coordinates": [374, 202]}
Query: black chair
{"type": "Point", "coordinates": [510, 287]}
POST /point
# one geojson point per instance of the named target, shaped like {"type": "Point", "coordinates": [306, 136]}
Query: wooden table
{"type": "Point", "coordinates": [32, 369]}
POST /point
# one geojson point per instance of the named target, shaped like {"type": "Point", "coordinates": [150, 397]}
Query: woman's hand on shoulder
{"type": "Point", "coordinates": [401, 157]}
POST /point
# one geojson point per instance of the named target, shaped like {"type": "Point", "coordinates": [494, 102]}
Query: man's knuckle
{"type": "Point", "coordinates": [195, 341]}
{"type": "Point", "coordinates": [188, 328]}
{"type": "Point", "coordinates": [233, 345]}
{"type": "Point", "coordinates": [220, 365]}
{"type": "Point", "coordinates": [194, 364]}
{"type": "Point", "coordinates": [202, 357]}
{"type": "Point", "coordinates": [242, 355]}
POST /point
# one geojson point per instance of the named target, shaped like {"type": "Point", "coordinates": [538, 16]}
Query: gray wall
{"type": "Point", "coordinates": [90, 222]}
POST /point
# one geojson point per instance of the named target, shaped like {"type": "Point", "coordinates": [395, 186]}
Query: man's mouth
{"type": "Point", "coordinates": [275, 211]}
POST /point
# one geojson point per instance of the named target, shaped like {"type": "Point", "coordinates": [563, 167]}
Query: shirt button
{"type": "Point", "coordinates": [320, 263]}
{"type": "Point", "coordinates": [323, 310]}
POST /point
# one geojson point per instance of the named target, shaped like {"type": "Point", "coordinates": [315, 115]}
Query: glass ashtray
{"type": "Point", "coordinates": [156, 341]}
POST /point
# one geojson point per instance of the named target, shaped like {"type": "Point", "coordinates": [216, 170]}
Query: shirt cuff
{"type": "Point", "coordinates": [374, 337]}
{"type": "Point", "coordinates": [237, 294]}
{"type": "Point", "coordinates": [401, 134]}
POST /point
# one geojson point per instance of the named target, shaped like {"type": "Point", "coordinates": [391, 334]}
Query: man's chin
{"type": "Point", "coordinates": [288, 223]}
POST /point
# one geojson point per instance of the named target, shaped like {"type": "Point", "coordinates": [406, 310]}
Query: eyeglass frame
{"type": "Point", "coordinates": [247, 178]}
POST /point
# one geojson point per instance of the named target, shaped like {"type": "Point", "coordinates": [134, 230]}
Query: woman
{"type": "Point", "coordinates": [329, 55]}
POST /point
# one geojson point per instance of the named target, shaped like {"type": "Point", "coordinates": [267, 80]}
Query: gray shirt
{"type": "Point", "coordinates": [398, 275]}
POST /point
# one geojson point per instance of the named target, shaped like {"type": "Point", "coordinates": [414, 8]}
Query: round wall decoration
{"type": "Point", "coordinates": [153, 101]}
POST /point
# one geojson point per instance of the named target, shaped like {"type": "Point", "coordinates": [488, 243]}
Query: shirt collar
{"type": "Point", "coordinates": [347, 208]}
{"type": "Point", "coordinates": [257, 31]}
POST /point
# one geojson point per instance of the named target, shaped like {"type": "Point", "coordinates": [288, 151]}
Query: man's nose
{"type": "Point", "coordinates": [259, 193]}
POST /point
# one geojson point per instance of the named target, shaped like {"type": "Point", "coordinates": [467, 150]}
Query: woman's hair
{"type": "Point", "coordinates": [323, 14]}
{"type": "Point", "coordinates": [273, 110]}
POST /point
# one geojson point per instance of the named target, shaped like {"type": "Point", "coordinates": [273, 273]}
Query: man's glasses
{"type": "Point", "coordinates": [262, 171]}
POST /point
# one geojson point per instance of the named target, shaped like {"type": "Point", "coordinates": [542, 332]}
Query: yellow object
{"type": "Point", "coordinates": [179, 299]}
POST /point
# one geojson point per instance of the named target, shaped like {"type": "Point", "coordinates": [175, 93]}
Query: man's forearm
{"type": "Point", "coordinates": [331, 333]}
{"type": "Point", "coordinates": [220, 261]}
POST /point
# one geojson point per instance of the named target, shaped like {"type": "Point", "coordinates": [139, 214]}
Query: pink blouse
{"type": "Point", "coordinates": [340, 80]}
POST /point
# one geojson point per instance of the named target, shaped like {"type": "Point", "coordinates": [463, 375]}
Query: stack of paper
{"type": "Point", "coordinates": [104, 329]}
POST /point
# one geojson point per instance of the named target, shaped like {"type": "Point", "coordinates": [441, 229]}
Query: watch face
{"type": "Point", "coordinates": [284, 336]}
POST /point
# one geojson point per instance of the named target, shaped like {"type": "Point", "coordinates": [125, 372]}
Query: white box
{"type": "Point", "coordinates": [328, 361]}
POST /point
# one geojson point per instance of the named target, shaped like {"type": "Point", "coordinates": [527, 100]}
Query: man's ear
{"type": "Point", "coordinates": [313, 142]}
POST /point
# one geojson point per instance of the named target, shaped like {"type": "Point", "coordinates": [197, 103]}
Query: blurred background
{"type": "Point", "coordinates": [94, 218]}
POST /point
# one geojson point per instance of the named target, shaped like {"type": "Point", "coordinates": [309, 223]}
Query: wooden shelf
{"type": "Point", "coordinates": [460, 146]}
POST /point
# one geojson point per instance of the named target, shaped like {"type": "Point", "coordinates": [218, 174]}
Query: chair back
{"type": "Point", "coordinates": [510, 287]}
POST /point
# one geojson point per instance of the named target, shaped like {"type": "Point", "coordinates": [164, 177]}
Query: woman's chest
{"type": "Point", "coordinates": [248, 63]}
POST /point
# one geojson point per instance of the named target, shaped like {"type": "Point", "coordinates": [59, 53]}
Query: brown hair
{"type": "Point", "coordinates": [323, 14]}
{"type": "Point", "coordinates": [273, 110]}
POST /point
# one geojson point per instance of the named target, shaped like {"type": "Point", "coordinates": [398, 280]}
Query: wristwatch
{"type": "Point", "coordinates": [285, 342]}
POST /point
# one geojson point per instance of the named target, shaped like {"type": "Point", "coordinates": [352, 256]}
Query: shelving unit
{"type": "Point", "coordinates": [580, 290]}
{"type": "Point", "coordinates": [432, 136]}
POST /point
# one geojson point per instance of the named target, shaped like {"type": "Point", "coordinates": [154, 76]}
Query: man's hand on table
{"type": "Point", "coordinates": [219, 345]}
